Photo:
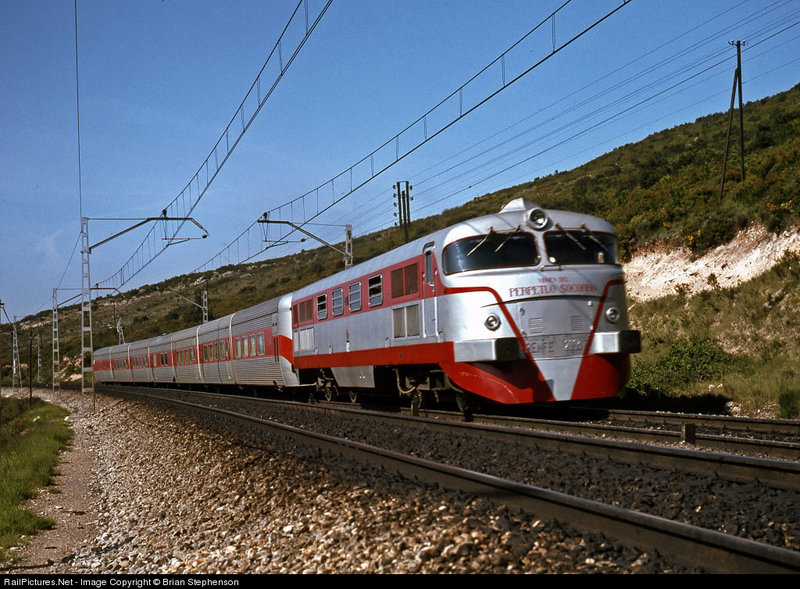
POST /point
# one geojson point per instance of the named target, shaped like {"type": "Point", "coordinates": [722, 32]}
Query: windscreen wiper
{"type": "Point", "coordinates": [510, 235]}
{"type": "Point", "coordinates": [571, 237]}
{"type": "Point", "coordinates": [591, 236]}
{"type": "Point", "coordinates": [482, 241]}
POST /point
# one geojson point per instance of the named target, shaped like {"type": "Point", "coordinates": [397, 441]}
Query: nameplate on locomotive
{"type": "Point", "coordinates": [562, 345]}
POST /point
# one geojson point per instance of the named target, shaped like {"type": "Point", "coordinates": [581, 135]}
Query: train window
{"type": "Point", "coordinates": [397, 283]}
{"type": "Point", "coordinates": [429, 267]}
{"type": "Point", "coordinates": [355, 296]}
{"type": "Point", "coordinates": [405, 281]}
{"type": "Point", "coordinates": [405, 321]}
{"type": "Point", "coordinates": [253, 345]}
{"type": "Point", "coordinates": [238, 347]}
{"type": "Point", "coordinates": [304, 311]}
{"type": "Point", "coordinates": [337, 301]}
{"type": "Point", "coordinates": [580, 247]}
{"type": "Point", "coordinates": [261, 347]}
{"type": "Point", "coordinates": [375, 290]}
{"type": "Point", "coordinates": [322, 306]}
{"type": "Point", "coordinates": [245, 347]}
{"type": "Point", "coordinates": [495, 250]}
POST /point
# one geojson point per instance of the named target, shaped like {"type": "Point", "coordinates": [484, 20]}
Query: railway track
{"type": "Point", "coordinates": [693, 545]}
{"type": "Point", "coordinates": [779, 439]}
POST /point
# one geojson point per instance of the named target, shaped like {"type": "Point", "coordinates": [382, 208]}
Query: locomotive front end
{"type": "Point", "coordinates": [536, 307]}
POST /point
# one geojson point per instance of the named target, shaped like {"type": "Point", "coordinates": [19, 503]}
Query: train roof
{"type": "Point", "coordinates": [514, 215]}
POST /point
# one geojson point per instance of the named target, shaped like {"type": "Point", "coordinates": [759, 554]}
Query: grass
{"type": "Point", "coordinates": [739, 344]}
{"type": "Point", "coordinates": [32, 435]}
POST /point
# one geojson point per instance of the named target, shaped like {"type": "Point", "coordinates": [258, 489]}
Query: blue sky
{"type": "Point", "coordinates": [160, 79]}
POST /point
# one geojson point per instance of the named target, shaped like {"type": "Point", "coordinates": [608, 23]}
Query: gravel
{"type": "Point", "coordinates": [750, 510]}
{"type": "Point", "coordinates": [169, 495]}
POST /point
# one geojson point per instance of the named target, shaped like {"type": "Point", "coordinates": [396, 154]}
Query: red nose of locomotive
{"type": "Point", "coordinates": [559, 303]}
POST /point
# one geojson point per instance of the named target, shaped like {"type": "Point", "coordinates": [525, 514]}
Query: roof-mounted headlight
{"type": "Point", "coordinates": [537, 218]}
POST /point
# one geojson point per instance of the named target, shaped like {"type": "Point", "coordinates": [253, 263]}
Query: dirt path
{"type": "Point", "coordinates": [70, 502]}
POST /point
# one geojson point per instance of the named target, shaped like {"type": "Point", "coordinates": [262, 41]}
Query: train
{"type": "Point", "coordinates": [524, 306]}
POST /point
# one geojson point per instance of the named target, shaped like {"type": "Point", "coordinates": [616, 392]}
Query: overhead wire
{"type": "Point", "coordinates": [305, 201]}
{"type": "Point", "coordinates": [592, 99]}
{"type": "Point", "coordinates": [618, 113]}
{"type": "Point", "coordinates": [466, 185]}
{"type": "Point", "coordinates": [711, 60]}
{"type": "Point", "coordinates": [185, 202]}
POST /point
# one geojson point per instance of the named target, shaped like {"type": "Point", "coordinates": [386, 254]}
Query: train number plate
{"type": "Point", "coordinates": [561, 345]}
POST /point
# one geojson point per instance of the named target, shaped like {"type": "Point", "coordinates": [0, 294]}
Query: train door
{"type": "Point", "coordinates": [226, 353]}
{"type": "Point", "coordinates": [430, 323]}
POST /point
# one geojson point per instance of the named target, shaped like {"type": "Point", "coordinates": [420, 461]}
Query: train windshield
{"type": "Point", "coordinates": [495, 250]}
{"type": "Point", "coordinates": [580, 247]}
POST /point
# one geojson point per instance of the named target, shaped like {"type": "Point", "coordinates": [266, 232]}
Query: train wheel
{"type": "Point", "coordinates": [465, 405]}
{"type": "Point", "coordinates": [353, 395]}
{"type": "Point", "coordinates": [331, 392]}
{"type": "Point", "coordinates": [416, 401]}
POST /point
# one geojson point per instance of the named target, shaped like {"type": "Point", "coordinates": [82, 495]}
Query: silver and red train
{"type": "Point", "coordinates": [523, 306]}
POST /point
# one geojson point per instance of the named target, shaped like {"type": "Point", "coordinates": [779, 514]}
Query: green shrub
{"type": "Point", "coordinates": [685, 361]}
{"type": "Point", "coordinates": [789, 403]}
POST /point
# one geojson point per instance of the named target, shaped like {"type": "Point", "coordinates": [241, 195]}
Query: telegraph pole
{"type": "Point", "coordinates": [737, 83]}
{"type": "Point", "coordinates": [87, 347]}
{"type": "Point", "coordinates": [2, 304]}
{"type": "Point", "coordinates": [403, 204]}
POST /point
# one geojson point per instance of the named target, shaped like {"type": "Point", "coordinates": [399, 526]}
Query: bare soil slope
{"type": "Point", "coordinates": [663, 270]}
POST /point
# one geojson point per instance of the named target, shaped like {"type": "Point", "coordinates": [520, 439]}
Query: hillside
{"type": "Point", "coordinates": [695, 265]}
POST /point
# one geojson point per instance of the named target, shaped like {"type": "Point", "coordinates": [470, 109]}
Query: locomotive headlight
{"type": "Point", "coordinates": [492, 322]}
{"type": "Point", "coordinates": [612, 314]}
{"type": "Point", "coordinates": [537, 218]}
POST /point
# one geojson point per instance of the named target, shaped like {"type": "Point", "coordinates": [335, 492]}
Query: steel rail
{"type": "Point", "coordinates": [772, 448]}
{"type": "Point", "coordinates": [751, 424]}
{"type": "Point", "coordinates": [691, 545]}
{"type": "Point", "coordinates": [777, 473]}
{"type": "Point", "coordinates": [775, 449]}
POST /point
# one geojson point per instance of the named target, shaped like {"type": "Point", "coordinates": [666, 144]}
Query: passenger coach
{"type": "Point", "coordinates": [523, 306]}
